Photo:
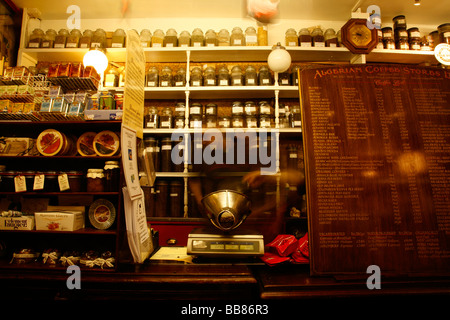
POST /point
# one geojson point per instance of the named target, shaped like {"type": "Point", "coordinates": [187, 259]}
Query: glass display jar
{"type": "Point", "coordinates": [118, 39]}
{"type": "Point", "coordinates": [262, 35]}
{"type": "Point", "coordinates": [98, 39]}
{"type": "Point", "coordinates": [209, 76]}
{"type": "Point", "coordinates": [251, 38]}
{"type": "Point", "coordinates": [195, 121]}
{"type": "Point", "coordinates": [237, 121]}
{"type": "Point", "coordinates": [152, 147]}
{"type": "Point", "coordinates": [237, 37]}
{"type": "Point", "coordinates": [184, 40]}
{"type": "Point", "coordinates": [318, 39]}
{"type": "Point", "coordinates": [294, 75]}
{"type": "Point", "coordinates": [197, 38]}
{"type": "Point", "coordinates": [444, 33]}
{"type": "Point", "coordinates": [295, 117]}
{"type": "Point", "coordinates": [151, 119]}
{"type": "Point", "coordinates": [73, 39]}
{"type": "Point", "coordinates": [36, 38]}
{"type": "Point", "coordinates": [146, 38]}
{"type": "Point", "coordinates": [171, 38]}
{"type": "Point", "coordinates": [251, 121]}
{"type": "Point", "coordinates": [223, 76]}
{"type": "Point", "coordinates": [165, 78]}
{"type": "Point", "coordinates": [61, 38]}
{"type": "Point", "coordinates": [196, 109]}
{"type": "Point", "coordinates": [414, 38]}
{"type": "Point", "coordinates": [237, 108]}
{"type": "Point", "coordinates": [49, 39]}
{"type": "Point", "coordinates": [224, 122]}
{"type": "Point", "coordinates": [166, 152]}
{"type": "Point", "coordinates": [330, 38]}
{"type": "Point", "coordinates": [264, 108]}
{"type": "Point", "coordinates": [112, 175]}
{"type": "Point", "coordinates": [236, 76]}
{"type": "Point", "coordinates": [304, 38]}
{"type": "Point", "coordinates": [179, 79]}
{"type": "Point", "coordinates": [95, 180]}
{"type": "Point", "coordinates": [166, 118]}
{"type": "Point", "coordinates": [291, 39]}
{"type": "Point", "coordinates": [266, 121]}
{"type": "Point", "coordinates": [211, 109]}
{"type": "Point", "coordinates": [223, 37]}
{"type": "Point", "coordinates": [196, 78]}
{"type": "Point", "coordinates": [251, 109]}
{"type": "Point", "coordinates": [178, 122]}
{"type": "Point", "coordinates": [211, 121]}
{"type": "Point", "coordinates": [399, 22]}
{"type": "Point", "coordinates": [86, 38]}
{"type": "Point", "coordinates": [264, 78]}
{"type": "Point", "coordinates": [152, 77]}
{"type": "Point", "coordinates": [158, 38]}
{"type": "Point", "coordinates": [180, 109]}
{"type": "Point", "coordinates": [388, 38]}
{"type": "Point", "coordinates": [400, 34]}
{"type": "Point", "coordinates": [251, 77]}
{"type": "Point", "coordinates": [211, 38]}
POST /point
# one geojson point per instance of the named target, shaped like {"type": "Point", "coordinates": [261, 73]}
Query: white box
{"type": "Point", "coordinates": [59, 220]}
{"type": "Point", "coordinates": [17, 223]}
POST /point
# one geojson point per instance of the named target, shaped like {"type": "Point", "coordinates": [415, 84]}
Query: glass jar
{"type": "Point", "coordinates": [400, 34]}
{"type": "Point", "coordinates": [112, 176]}
{"type": "Point", "coordinates": [180, 109]}
{"type": "Point", "coordinates": [179, 79]}
{"type": "Point", "coordinates": [152, 147]}
{"type": "Point", "coordinates": [237, 37]}
{"type": "Point", "coordinates": [402, 44]}
{"type": "Point", "coordinates": [146, 38]}
{"type": "Point", "coordinates": [211, 121]}
{"type": "Point", "coordinates": [291, 38]}
{"type": "Point", "coordinates": [178, 122]}
{"type": "Point", "coordinates": [158, 38]}
{"type": "Point", "coordinates": [211, 109]}
{"type": "Point", "coordinates": [166, 118]}
{"type": "Point", "coordinates": [236, 76]}
{"type": "Point", "coordinates": [427, 43]}
{"type": "Point", "coordinates": [251, 121]}
{"type": "Point", "coordinates": [118, 39]}
{"type": "Point", "coordinates": [237, 109]}
{"type": "Point", "coordinates": [98, 39]}
{"type": "Point", "coordinates": [330, 38]}
{"type": "Point", "coordinates": [95, 180]}
{"type": "Point", "coordinates": [151, 119]}
{"type": "Point", "coordinates": [166, 154]}
{"type": "Point", "coordinates": [223, 37]}
{"type": "Point", "coordinates": [304, 38]}
{"type": "Point", "coordinates": [73, 38]}
{"type": "Point", "coordinates": [250, 109]}
{"type": "Point", "coordinates": [61, 38]}
{"type": "Point", "coordinates": [195, 121]}
{"type": "Point", "coordinates": [223, 76]}
{"type": "Point", "coordinates": [399, 22]}
{"type": "Point", "coordinates": [283, 120]}
{"type": "Point", "coordinates": [49, 39]}
{"type": "Point", "coordinates": [444, 33]}
{"type": "Point", "coordinates": [251, 38]}
{"type": "Point", "coordinates": [36, 38]}
{"type": "Point", "coordinates": [211, 38]}
{"type": "Point", "coordinates": [318, 39]}
{"type": "Point", "coordinates": [264, 78]}
{"type": "Point", "coordinates": [388, 38]}
{"type": "Point", "coordinates": [196, 109]}
{"type": "Point", "coordinates": [152, 77]}
{"type": "Point", "coordinates": [262, 35]}
{"type": "Point", "coordinates": [296, 117]}
{"type": "Point", "coordinates": [184, 39]}
{"type": "Point", "coordinates": [224, 122]}
{"type": "Point", "coordinates": [171, 38]}
{"type": "Point", "coordinates": [251, 78]}
{"type": "Point", "coordinates": [237, 121]}
{"type": "Point", "coordinates": [165, 79]}
{"type": "Point", "coordinates": [209, 76]}
{"type": "Point", "coordinates": [284, 79]}
{"type": "Point", "coordinates": [86, 38]}
{"type": "Point", "coordinates": [294, 75]}
{"type": "Point", "coordinates": [266, 121]}
{"type": "Point", "coordinates": [112, 77]}
{"type": "Point", "coordinates": [196, 78]}
{"type": "Point", "coordinates": [197, 38]}
{"type": "Point", "coordinates": [264, 108]}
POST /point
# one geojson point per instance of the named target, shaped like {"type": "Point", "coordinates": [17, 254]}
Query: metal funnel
{"type": "Point", "coordinates": [226, 209]}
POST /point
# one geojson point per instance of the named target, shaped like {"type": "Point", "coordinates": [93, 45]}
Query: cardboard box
{"type": "Point", "coordinates": [59, 220]}
{"type": "Point", "coordinates": [17, 223]}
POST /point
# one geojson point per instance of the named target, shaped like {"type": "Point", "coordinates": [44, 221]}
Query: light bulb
{"type": "Point", "coordinates": [279, 60]}
{"type": "Point", "coordinates": [417, 2]}
{"type": "Point", "coordinates": [96, 59]}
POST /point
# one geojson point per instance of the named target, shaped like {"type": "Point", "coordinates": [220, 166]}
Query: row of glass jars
{"type": "Point", "coordinates": [243, 115]}
{"type": "Point", "coordinates": [316, 38]}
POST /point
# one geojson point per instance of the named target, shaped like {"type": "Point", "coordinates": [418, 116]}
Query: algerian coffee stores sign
{"type": "Point", "coordinates": [377, 159]}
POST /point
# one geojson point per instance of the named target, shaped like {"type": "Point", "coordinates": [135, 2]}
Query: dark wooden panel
{"type": "Point", "coordinates": [377, 144]}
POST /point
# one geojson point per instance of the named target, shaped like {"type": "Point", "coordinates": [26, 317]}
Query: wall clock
{"type": "Point", "coordinates": [357, 37]}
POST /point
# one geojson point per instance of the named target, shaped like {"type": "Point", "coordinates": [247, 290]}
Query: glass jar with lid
{"type": "Point", "coordinates": [262, 35]}
{"type": "Point", "coordinates": [399, 22]}
{"type": "Point", "coordinates": [98, 39]}
{"type": "Point", "coordinates": [166, 152]}
{"type": "Point", "coordinates": [165, 79]}
{"type": "Point", "coordinates": [86, 38]}
{"type": "Point", "coordinates": [112, 77]}
{"type": "Point", "coordinates": [400, 34]}
{"type": "Point", "coordinates": [264, 78]}
{"type": "Point", "coordinates": [251, 38]}
{"type": "Point", "coordinates": [152, 77]}
{"type": "Point", "coordinates": [73, 39]}
{"type": "Point", "coordinates": [266, 121]}
{"type": "Point", "coordinates": [166, 118]}
{"type": "Point", "coordinates": [294, 75]}
{"type": "Point", "coordinates": [223, 76]}
{"type": "Point", "coordinates": [209, 76]}
{"type": "Point", "coordinates": [211, 121]}
{"type": "Point", "coordinates": [330, 38]}
{"type": "Point", "coordinates": [158, 38]}
{"type": "Point", "coordinates": [388, 38]}
{"type": "Point", "coordinates": [251, 121]}
{"type": "Point", "coordinates": [223, 37]}
{"type": "Point", "coordinates": [291, 38]}
{"type": "Point", "coordinates": [95, 180]}
{"type": "Point", "coordinates": [118, 39]}
{"type": "Point", "coordinates": [152, 147]}
{"type": "Point", "coordinates": [196, 78]}
{"type": "Point", "coordinates": [224, 122]}
{"type": "Point", "coordinates": [444, 33]}
{"type": "Point", "coordinates": [151, 119]}
{"type": "Point", "coordinates": [318, 39]}
{"type": "Point", "coordinates": [171, 38]}
{"type": "Point", "coordinates": [179, 79]}
{"type": "Point", "coordinates": [112, 175]}
{"type": "Point", "coordinates": [36, 38]}
{"type": "Point", "coordinates": [265, 108]}
{"type": "Point", "coordinates": [236, 76]}
{"type": "Point", "coordinates": [61, 38]}
{"type": "Point", "coordinates": [414, 38]}
{"type": "Point", "coordinates": [49, 38]}
{"type": "Point", "coordinates": [296, 118]}
{"type": "Point", "coordinates": [211, 38]}
{"type": "Point", "coordinates": [184, 40]}
{"type": "Point", "coordinates": [237, 121]}
{"type": "Point", "coordinates": [304, 38]}
{"type": "Point", "coordinates": [237, 108]}
{"type": "Point", "coordinates": [283, 120]}
{"type": "Point", "coordinates": [211, 109]}
{"type": "Point", "coordinates": [237, 37]}
{"type": "Point", "coordinates": [251, 109]}
{"type": "Point", "coordinates": [180, 109]}
{"type": "Point", "coordinates": [196, 109]}
{"type": "Point", "coordinates": [146, 38]}
{"type": "Point", "coordinates": [197, 38]}
{"type": "Point", "coordinates": [251, 78]}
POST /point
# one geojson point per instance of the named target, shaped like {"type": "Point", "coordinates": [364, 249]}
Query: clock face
{"type": "Point", "coordinates": [360, 35]}
{"type": "Point", "coordinates": [357, 37]}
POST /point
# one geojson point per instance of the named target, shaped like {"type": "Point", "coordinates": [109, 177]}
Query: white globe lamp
{"type": "Point", "coordinates": [279, 60]}
{"type": "Point", "coordinates": [97, 59]}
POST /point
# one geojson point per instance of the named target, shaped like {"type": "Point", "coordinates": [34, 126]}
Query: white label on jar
{"type": "Point", "coordinates": [195, 110]}
{"type": "Point", "coordinates": [71, 45]}
{"type": "Point", "coordinates": [404, 46]}
{"type": "Point", "coordinates": [95, 45]}
{"type": "Point", "coordinates": [33, 45]}
{"type": "Point", "coordinates": [166, 147]}
{"type": "Point", "coordinates": [196, 124]}
{"type": "Point", "coordinates": [169, 44]}
{"type": "Point", "coordinates": [236, 81]}
{"type": "Point", "coordinates": [150, 83]}
{"type": "Point", "coordinates": [150, 149]}
{"type": "Point", "coordinates": [292, 44]}
{"type": "Point", "coordinates": [251, 39]}
{"type": "Point", "coordinates": [39, 182]}
{"type": "Point", "coordinates": [174, 194]}
{"type": "Point", "coordinates": [333, 45]}
{"type": "Point", "coordinates": [297, 123]}
{"type": "Point", "coordinates": [196, 83]}
{"type": "Point", "coordinates": [237, 109]}
{"type": "Point", "coordinates": [210, 45]}
{"type": "Point", "coordinates": [292, 155]}
{"type": "Point", "coordinates": [251, 123]}
{"type": "Point", "coordinates": [237, 123]}
{"type": "Point", "coordinates": [209, 81]}
{"type": "Point", "coordinates": [20, 183]}
{"type": "Point", "coordinates": [151, 124]}
{"type": "Point", "coordinates": [403, 34]}
{"type": "Point", "coordinates": [164, 83]}
{"type": "Point", "coordinates": [250, 109]}
{"type": "Point", "coordinates": [157, 44]}
{"type": "Point", "coordinates": [211, 124]}
{"type": "Point", "coordinates": [305, 44]}
{"type": "Point", "coordinates": [184, 45]}
{"type": "Point", "coordinates": [144, 44]}
{"type": "Point", "coordinates": [179, 123]}
{"type": "Point", "coordinates": [284, 81]}
{"type": "Point", "coordinates": [197, 44]}
{"type": "Point", "coordinates": [223, 82]}
{"type": "Point", "coordinates": [380, 45]}
{"type": "Point", "coordinates": [237, 42]}
{"type": "Point", "coordinates": [415, 34]}
{"type": "Point", "coordinates": [116, 45]}
{"type": "Point", "coordinates": [387, 35]}
{"type": "Point", "coordinates": [179, 109]}
{"type": "Point", "coordinates": [415, 47]}
{"type": "Point", "coordinates": [265, 109]}
{"type": "Point", "coordinates": [251, 81]}
{"type": "Point", "coordinates": [446, 34]}
{"type": "Point", "coordinates": [391, 46]}
{"type": "Point", "coordinates": [59, 45]}
{"type": "Point", "coordinates": [179, 83]}
{"type": "Point", "coordinates": [319, 44]}
{"type": "Point", "coordinates": [401, 21]}
{"type": "Point", "coordinates": [165, 124]}
{"type": "Point", "coordinates": [83, 45]}
{"type": "Point", "coordinates": [63, 182]}
{"type": "Point", "coordinates": [266, 81]}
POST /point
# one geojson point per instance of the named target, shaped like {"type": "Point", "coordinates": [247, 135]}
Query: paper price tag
{"type": "Point", "coordinates": [63, 182]}
{"type": "Point", "coordinates": [20, 184]}
{"type": "Point", "coordinates": [39, 180]}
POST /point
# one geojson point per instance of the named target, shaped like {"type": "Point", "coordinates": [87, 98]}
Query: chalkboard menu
{"type": "Point", "coordinates": [377, 161]}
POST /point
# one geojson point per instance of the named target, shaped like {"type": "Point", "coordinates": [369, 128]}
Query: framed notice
{"type": "Point", "coordinates": [377, 161]}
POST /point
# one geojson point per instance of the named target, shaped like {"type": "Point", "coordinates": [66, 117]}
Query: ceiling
{"type": "Point", "coordinates": [431, 12]}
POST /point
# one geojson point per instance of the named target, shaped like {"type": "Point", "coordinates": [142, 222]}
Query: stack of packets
{"type": "Point", "coordinates": [286, 248]}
